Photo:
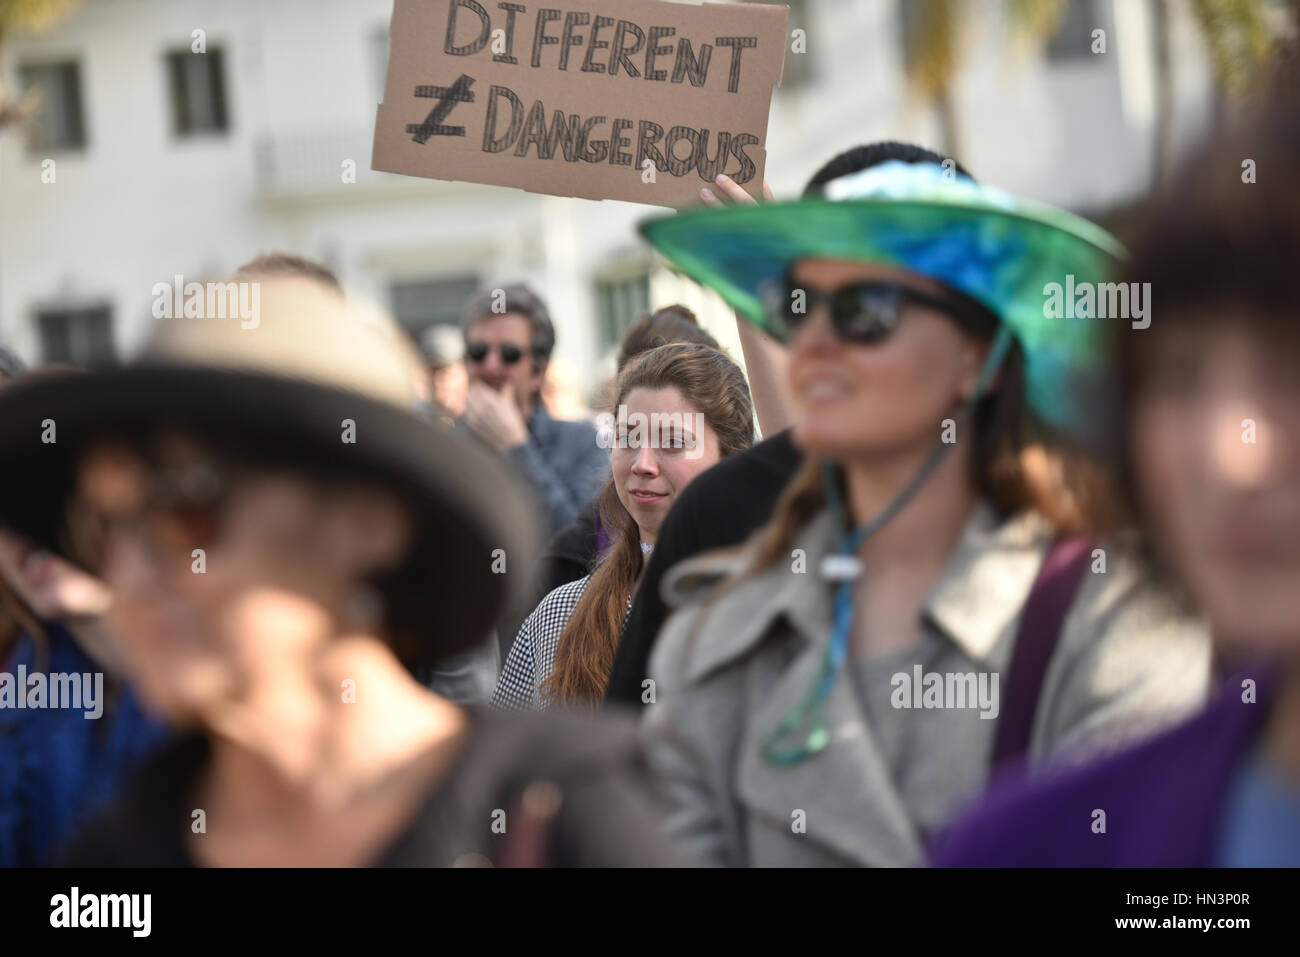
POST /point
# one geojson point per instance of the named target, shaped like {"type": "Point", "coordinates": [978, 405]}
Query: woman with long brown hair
{"type": "Point", "coordinates": [932, 598]}
{"type": "Point", "coordinates": [680, 408]}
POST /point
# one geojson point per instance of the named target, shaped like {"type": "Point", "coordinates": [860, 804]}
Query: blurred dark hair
{"type": "Point", "coordinates": [670, 324]}
{"type": "Point", "coordinates": [516, 299]}
{"type": "Point", "coordinates": [1217, 248]}
{"type": "Point", "coordinates": [287, 265]}
{"type": "Point", "coordinates": [873, 154]}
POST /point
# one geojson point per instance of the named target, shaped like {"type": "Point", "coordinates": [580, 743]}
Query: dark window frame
{"type": "Point", "coordinates": [465, 285]}
{"type": "Point", "coordinates": [76, 335]}
{"type": "Point", "coordinates": [613, 319]}
{"type": "Point", "coordinates": [177, 64]}
{"type": "Point", "coordinates": [1072, 42]}
{"type": "Point", "coordinates": [74, 104]}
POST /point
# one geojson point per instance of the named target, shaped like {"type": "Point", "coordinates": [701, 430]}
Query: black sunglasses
{"type": "Point", "coordinates": [181, 508]}
{"type": "Point", "coordinates": [478, 351]}
{"type": "Point", "coordinates": [863, 313]}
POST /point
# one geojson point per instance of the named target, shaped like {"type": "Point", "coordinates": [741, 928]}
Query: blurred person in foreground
{"type": "Point", "coordinates": [468, 677]}
{"type": "Point", "coordinates": [929, 602]}
{"type": "Point", "coordinates": [58, 764]}
{"type": "Point", "coordinates": [509, 338]}
{"type": "Point", "coordinates": [1209, 425]}
{"type": "Point", "coordinates": [678, 409]}
{"type": "Point", "coordinates": [346, 543]}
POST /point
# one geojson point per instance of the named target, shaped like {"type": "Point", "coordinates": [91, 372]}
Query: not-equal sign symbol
{"type": "Point", "coordinates": [447, 97]}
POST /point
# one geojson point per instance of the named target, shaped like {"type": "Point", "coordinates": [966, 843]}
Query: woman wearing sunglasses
{"type": "Point", "coordinates": [679, 409]}
{"type": "Point", "coordinates": [929, 600]}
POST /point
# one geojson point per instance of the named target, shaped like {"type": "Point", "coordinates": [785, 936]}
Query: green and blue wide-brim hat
{"type": "Point", "coordinates": [1003, 252]}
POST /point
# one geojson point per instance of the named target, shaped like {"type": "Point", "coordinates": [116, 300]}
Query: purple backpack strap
{"type": "Point", "coordinates": [1040, 630]}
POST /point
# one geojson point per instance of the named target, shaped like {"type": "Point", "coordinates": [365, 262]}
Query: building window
{"type": "Point", "coordinates": [1073, 39]}
{"type": "Point", "coordinates": [420, 303]}
{"type": "Point", "coordinates": [59, 122]}
{"type": "Point", "coordinates": [619, 303]}
{"type": "Point", "coordinates": [79, 337]}
{"type": "Point", "coordinates": [198, 89]}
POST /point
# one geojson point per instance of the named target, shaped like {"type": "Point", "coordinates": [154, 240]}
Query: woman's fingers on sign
{"type": "Point", "coordinates": [727, 191]}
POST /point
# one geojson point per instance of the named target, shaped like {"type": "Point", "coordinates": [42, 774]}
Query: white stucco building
{"type": "Point", "coordinates": [167, 162]}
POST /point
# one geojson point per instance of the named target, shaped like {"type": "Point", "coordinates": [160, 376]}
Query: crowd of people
{"type": "Point", "coordinates": [996, 587]}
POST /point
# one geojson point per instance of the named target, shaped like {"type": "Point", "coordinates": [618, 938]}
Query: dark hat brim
{"type": "Point", "coordinates": [467, 503]}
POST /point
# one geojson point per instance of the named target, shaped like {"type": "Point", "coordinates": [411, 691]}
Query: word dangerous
{"type": "Point", "coordinates": [574, 137]}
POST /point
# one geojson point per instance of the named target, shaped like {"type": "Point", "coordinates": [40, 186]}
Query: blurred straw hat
{"type": "Point", "coordinates": [282, 384]}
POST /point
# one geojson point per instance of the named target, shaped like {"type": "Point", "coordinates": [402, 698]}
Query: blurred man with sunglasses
{"type": "Point", "coordinates": [508, 342]}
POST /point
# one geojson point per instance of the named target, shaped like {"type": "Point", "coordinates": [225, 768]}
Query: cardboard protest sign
{"type": "Point", "coordinates": [637, 100]}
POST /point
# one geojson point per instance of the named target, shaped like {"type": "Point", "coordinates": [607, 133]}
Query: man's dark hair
{"type": "Point", "coordinates": [516, 299]}
{"type": "Point", "coordinates": [287, 265]}
{"type": "Point", "coordinates": [873, 154]}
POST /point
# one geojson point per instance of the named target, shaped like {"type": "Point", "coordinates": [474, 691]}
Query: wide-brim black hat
{"type": "Point", "coordinates": [315, 385]}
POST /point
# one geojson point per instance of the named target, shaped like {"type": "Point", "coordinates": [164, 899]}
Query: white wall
{"type": "Point", "coordinates": [140, 206]}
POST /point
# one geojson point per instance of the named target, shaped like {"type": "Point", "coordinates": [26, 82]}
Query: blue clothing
{"type": "Point", "coordinates": [1261, 826]}
{"type": "Point", "coordinates": [564, 462]}
{"type": "Point", "coordinates": [57, 767]}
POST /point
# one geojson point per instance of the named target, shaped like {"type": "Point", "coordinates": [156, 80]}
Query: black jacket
{"type": "Point", "coordinates": [571, 553]}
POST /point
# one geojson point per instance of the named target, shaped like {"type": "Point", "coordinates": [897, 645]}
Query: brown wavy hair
{"type": "Point", "coordinates": [674, 323]}
{"type": "Point", "coordinates": [711, 383]}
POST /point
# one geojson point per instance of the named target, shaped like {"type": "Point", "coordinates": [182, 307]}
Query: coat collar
{"type": "Point", "coordinates": [845, 796]}
{"type": "Point", "coordinates": [987, 581]}
{"type": "Point", "coordinates": [980, 592]}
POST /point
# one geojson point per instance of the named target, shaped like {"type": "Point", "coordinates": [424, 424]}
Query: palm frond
{"type": "Point", "coordinates": [1241, 45]}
